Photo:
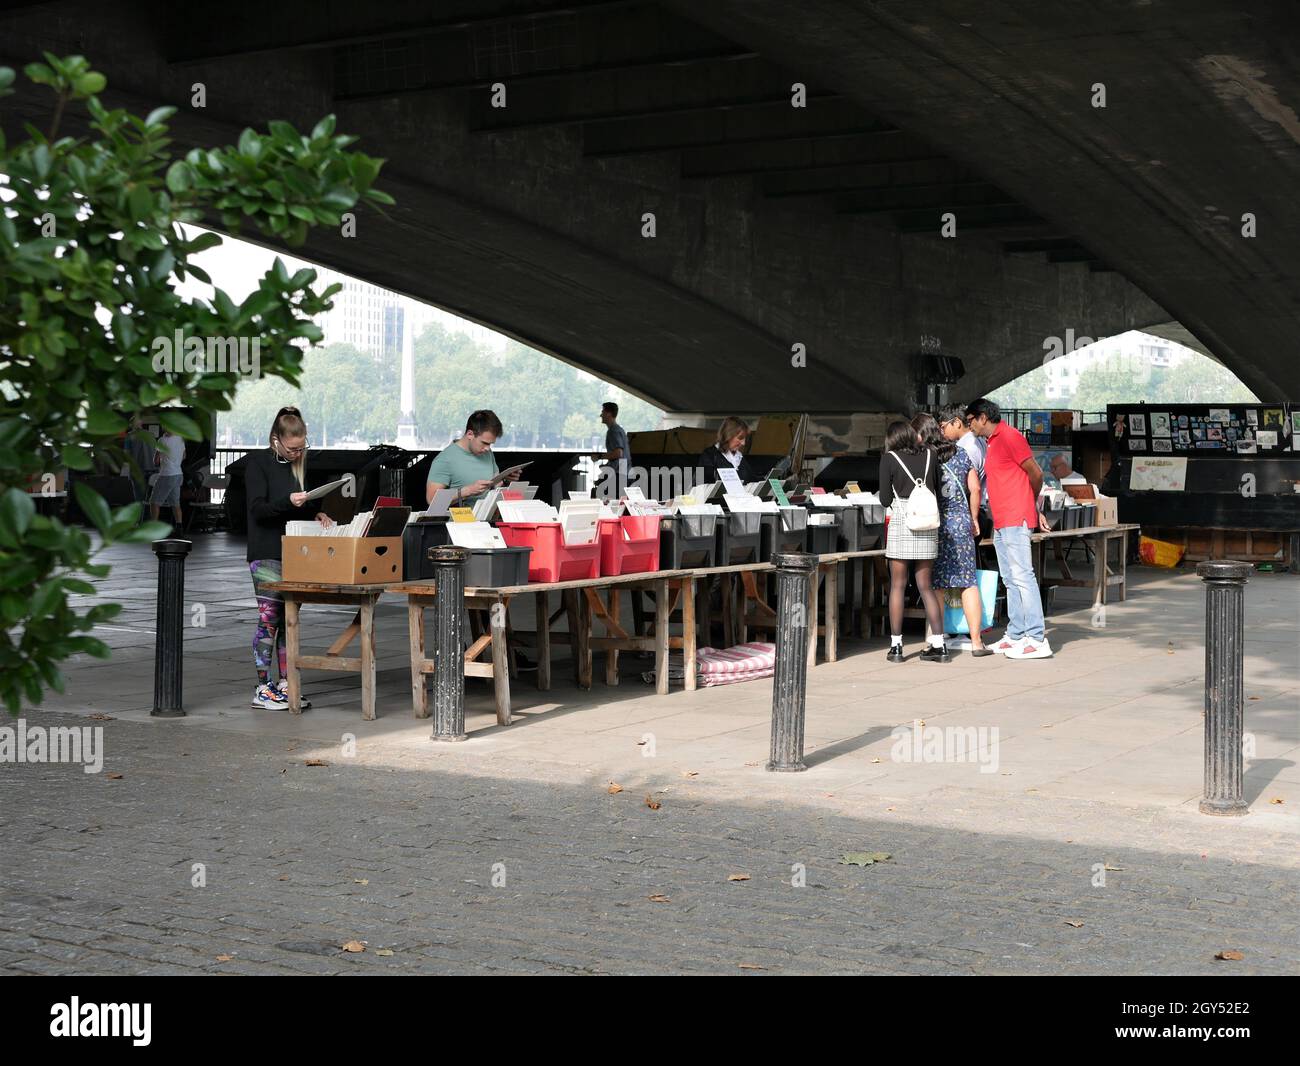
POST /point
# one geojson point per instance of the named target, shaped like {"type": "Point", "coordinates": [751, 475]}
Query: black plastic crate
{"type": "Point", "coordinates": [785, 531]}
{"type": "Point", "coordinates": [822, 539]}
{"type": "Point", "coordinates": [417, 539]}
{"type": "Point", "coordinates": [688, 541]}
{"type": "Point", "coordinates": [740, 538]}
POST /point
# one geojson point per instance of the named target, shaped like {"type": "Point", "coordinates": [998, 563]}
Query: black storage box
{"type": "Point", "coordinates": [822, 539]}
{"type": "Point", "coordinates": [417, 539]}
{"type": "Point", "coordinates": [688, 541]}
{"type": "Point", "coordinates": [740, 538]}
{"type": "Point", "coordinates": [785, 531]}
{"type": "Point", "coordinates": [490, 568]}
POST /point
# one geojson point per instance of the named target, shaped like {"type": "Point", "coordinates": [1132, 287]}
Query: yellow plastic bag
{"type": "Point", "coordinates": [1160, 552]}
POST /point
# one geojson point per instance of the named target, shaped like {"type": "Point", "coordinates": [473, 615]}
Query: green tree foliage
{"type": "Point", "coordinates": [90, 242]}
{"type": "Point", "coordinates": [348, 394]}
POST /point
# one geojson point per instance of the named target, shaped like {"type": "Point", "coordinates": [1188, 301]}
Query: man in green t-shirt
{"type": "Point", "coordinates": [467, 465]}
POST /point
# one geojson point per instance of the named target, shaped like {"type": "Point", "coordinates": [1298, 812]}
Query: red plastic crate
{"type": "Point", "coordinates": [552, 559]}
{"type": "Point", "coordinates": [629, 545]}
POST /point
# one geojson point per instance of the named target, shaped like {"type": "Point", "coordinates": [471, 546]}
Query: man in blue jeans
{"type": "Point", "coordinates": [1013, 480]}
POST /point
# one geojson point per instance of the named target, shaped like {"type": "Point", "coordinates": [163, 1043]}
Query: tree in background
{"type": "Point", "coordinates": [90, 242]}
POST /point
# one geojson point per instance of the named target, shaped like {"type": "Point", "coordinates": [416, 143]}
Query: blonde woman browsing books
{"type": "Point", "coordinates": [274, 478]}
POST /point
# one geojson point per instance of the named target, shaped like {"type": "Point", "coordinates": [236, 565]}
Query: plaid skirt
{"type": "Point", "coordinates": [903, 543]}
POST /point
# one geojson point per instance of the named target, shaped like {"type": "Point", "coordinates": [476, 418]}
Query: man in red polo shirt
{"type": "Point", "coordinates": [1013, 479]}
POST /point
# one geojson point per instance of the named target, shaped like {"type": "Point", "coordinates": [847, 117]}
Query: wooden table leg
{"type": "Point", "coordinates": [688, 633]}
{"type": "Point", "coordinates": [292, 647]}
{"type": "Point", "coordinates": [728, 612]}
{"type": "Point", "coordinates": [583, 646]}
{"type": "Point", "coordinates": [500, 662]}
{"type": "Point", "coordinates": [638, 613]}
{"type": "Point", "coordinates": [1123, 559]}
{"type": "Point", "coordinates": [612, 606]}
{"type": "Point", "coordinates": [704, 610]}
{"type": "Point", "coordinates": [1099, 573]}
{"type": "Point", "coordinates": [543, 642]}
{"type": "Point", "coordinates": [850, 614]}
{"type": "Point", "coordinates": [812, 619]}
{"type": "Point", "coordinates": [832, 612]}
{"type": "Point", "coordinates": [368, 660]}
{"type": "Point", "coordinates": [415, 627]}
{"type": "Point", "coordinates": [661, 637]}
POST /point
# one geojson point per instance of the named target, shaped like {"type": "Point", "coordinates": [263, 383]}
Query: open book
{"type": "Point", "coordinates": [325, 490]}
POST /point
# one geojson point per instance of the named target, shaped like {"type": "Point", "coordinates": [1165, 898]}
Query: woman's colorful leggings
{"type": "Point", "coordinates": [269, 636]}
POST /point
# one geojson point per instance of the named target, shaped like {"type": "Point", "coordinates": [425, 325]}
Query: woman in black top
{"type": "Point", "coordinates": [274, 479]}
{"type": "Point", "coordinates": [904, 462]}
{"type": "Point", "coordinates": [732, 435]}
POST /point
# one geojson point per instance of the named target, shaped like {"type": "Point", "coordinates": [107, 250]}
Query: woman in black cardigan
{"type": "Point", "coordinates": [728, 453]}
{"type": "Point", "coordinates": [275, 480]}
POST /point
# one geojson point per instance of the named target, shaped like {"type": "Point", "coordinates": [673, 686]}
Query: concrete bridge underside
{"type": "Point", "coordinates": [775, 225]}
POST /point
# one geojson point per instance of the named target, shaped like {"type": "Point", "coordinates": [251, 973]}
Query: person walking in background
{"type": "Point", "coordinates": [906, 466]}
{"type": "Point", "coordinates": [275, 477]}
{"type": "Point", "coordinates": [1014, 479]}
{"type": "Point", "coordinates": [167, 485]}
{"type": "Point", "coordinates": [959, 527]}
{"type": "Point", "coordinates": [617, 453]}
{"type": "Point", "coordinates": [140, 455]}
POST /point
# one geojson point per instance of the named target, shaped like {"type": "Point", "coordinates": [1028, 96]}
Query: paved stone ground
{"type": "Point", "coordinates": [395, 847]}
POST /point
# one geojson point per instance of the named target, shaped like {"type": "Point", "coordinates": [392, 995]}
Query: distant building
{"type": "Point", "coordinates": [1126, 350]}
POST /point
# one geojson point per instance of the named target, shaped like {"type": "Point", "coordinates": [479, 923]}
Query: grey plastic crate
{"type": "Point", "coordinates": [740, 538]}
{"type": "Point", "coordinates": [497, 567]}
{"type": "Point", "coordinates": [687, 541]}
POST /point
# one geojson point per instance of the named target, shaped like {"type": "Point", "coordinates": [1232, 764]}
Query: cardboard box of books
{"type": "Point", "coordinates": [365, 551]}
{"type": "Point", "coordinates": [1107, 513]}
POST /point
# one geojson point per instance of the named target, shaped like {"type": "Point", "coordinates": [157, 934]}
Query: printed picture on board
{"type": "Point", "coordinates": [1160, 425]}
{"type": "Point", "coordinates": [1162, 445]}
{"type": "Point", "coordinates": [1137, 445]}
{"type": "Point", "coordinates": [1184, 438]}
{"type": "Point", "coordinates": [1137, 425]}
{"type": "Point", "coordinates": [1214, 433]}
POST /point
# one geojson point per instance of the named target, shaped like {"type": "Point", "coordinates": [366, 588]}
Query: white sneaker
{"type": "Point", "coordinates": [304, 704]}
{"type": "Point", "coordinates": [268, 697]}
{"type": "Point", "coordinates": [1006, 645]}
{"type": "Point", "coordinates": [1031, 649]}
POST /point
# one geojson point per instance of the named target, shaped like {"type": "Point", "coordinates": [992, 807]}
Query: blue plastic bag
{"type": "Point", "coordinates": [954, 618]}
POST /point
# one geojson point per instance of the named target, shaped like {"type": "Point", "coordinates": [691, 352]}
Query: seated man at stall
{"type": "Point", "coordinates": [467, 464]}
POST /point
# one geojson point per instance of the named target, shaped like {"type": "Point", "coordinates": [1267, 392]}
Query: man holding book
{"type": "Point", "coordinates": [467, 465]}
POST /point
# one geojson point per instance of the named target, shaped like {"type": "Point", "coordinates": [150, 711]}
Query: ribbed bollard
{"type": "Point", "coordinates": [1225, 587]}
{"type": "Point", "coordinates": [169, 629]}
{"type": "Point", "coordinates": [448, 654]}
{"type": "Point", "coordinates": [794, 571]}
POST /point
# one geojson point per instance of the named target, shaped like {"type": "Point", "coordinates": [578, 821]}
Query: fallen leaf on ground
{"type": "Point", "coordinates": [1073, 925]}
{"type": "Point", "coordinates": [283, 877]}
{"type": "Point", "coordinates": [1230, 956]}
{"type": "Point", "coordinates": [361, 880]}
{"type": "Point", "coordinates": [384, 951]}
{"type": "Point", "coordinates": [110, 718]}
{"type": "Point", "coordinates": [1113, 869]}
{"type": "Point", "coordinates": [690, 773]}
{"type": "Point", "coordinates": [875, 760]}
{"type": "Point", "coordinates": [889, 808]}
{"type": "Point", "coordinates": [738, 877]}
{"type": "Point", "coordinates": [225, 958]}
{"type": "Point", "coordinates": [749, 966]}
{"type": "Point", "coordinates": [652, 803]}
{"type": "Point", "coordinates": [614, 788]}
{"type": "Point", "coordinates": [354, 946]}
{"type": "Point", "coordinates": [658, 898]}
{"type": "Point", "coordinates": [114, 777]}
{"type": "Point", "coordinates": [1277, 799]}
{"type": "Point", "coordinates": [316, 762]}
{"type": "Point", "coordinates": [864, 858]}
{"type": "Point", "coordinates": [1254, 697]}
{"type": "Point", "coordinates": [285, 770]}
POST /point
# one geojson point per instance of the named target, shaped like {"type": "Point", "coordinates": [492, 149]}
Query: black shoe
{"type": "Point", "coordinates": [936, 655]}
{"type": "Point", "coordinates": [896, 654]}
{"type": "Point", "coordinates": [979, 653]}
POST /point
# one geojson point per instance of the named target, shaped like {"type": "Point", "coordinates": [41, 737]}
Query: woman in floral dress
{"type": "Point", "coordinates": [959, 525]}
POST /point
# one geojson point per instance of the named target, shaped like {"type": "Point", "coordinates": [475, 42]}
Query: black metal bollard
{"type": "Point", "coordinates": [448, 654]}
{"type": "Point", "coordinates": [1225, 586]}
{"type": "Point", "coordinates": [794, 572]}
{"type": "Point", "coordinates": [169, 632]}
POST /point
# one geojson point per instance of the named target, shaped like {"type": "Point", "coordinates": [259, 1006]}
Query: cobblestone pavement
{"type": "Point", "coordinates": [382, 849]}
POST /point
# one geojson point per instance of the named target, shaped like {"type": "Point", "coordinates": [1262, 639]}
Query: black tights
{"type": "Point", "coordinates": [898, 588]}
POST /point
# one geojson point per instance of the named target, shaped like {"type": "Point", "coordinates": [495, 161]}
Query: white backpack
{"type": "Point", "coordinates": [922, 505]}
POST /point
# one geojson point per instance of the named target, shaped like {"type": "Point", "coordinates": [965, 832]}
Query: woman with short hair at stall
{"type": "Point", "coordinates": [959, 525]}
{"type": "Point", "coordinates": [728, 452]}
{"type": "Point", "coordinates": [275, 480]}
